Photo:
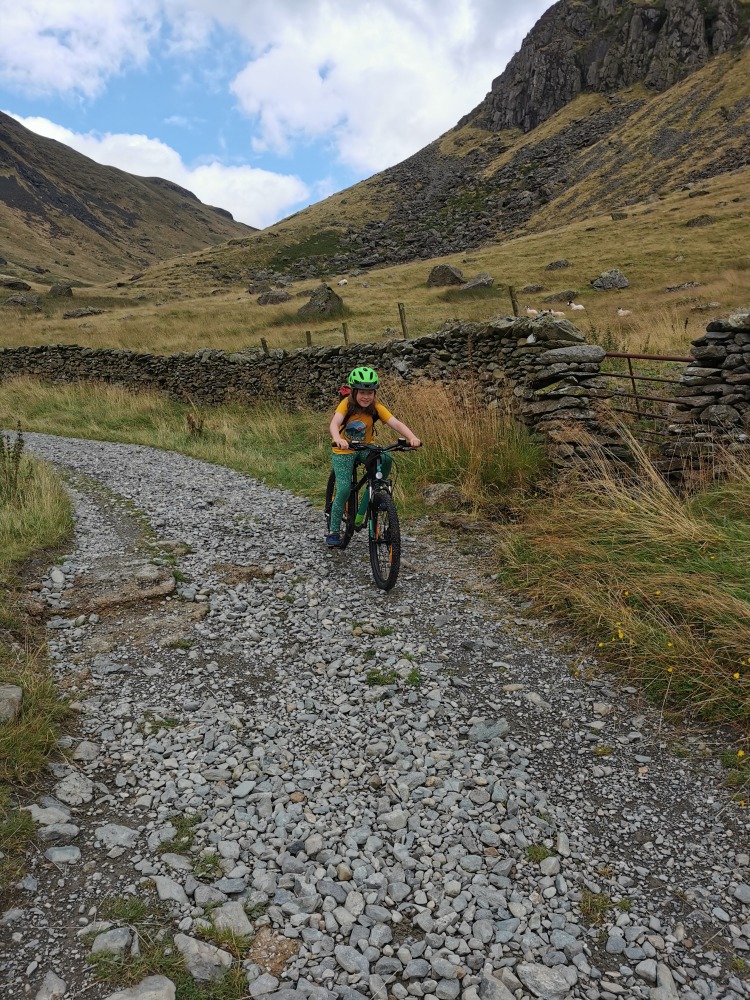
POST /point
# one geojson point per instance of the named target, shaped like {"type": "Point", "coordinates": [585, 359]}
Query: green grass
{"type": "Point", "coordinates": [594, 906]}
{"type": "Point", "coordinates": [150, 920]}
{"type": "Point", "coordinates": [184, 835]}
{"type": "Point", "coordinates": [537, 853]}
{"type": "Point", "coordinates": [207, 866]}
{"type": "Point", "coordinates": [380, 677]}
{"type": "Point", "coordinates": [34, 514]}
{"type": "Point", "coordinates": [414, 678]}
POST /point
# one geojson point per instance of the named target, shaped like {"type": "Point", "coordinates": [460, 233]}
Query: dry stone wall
{"type": "Point", "coordinates": [713, 398]}
{"type": "Point", "coordinates": [543, 365]}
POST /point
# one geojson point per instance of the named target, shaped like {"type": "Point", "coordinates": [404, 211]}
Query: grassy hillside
{"type": "Point", "coordinates": [472, 187]}
{"type": "Point", "coordinates": [656, 247]}
{"type": "Point", "coordinates": [70, 218]}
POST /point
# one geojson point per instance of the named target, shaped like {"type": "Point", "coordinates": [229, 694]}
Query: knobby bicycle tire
{"type": "Point", "coordinates": [385, 541]}
{"type": "Point", "coordinates": [347, 520]}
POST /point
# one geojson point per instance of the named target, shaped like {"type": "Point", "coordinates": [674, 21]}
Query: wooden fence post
{"type": "Point", "coordinates": [513, 300]}
{"type": "Point", "coordinates": [402, 315]}
{"type": "Point", "coordinates": [345, 328]}
{"type": "Point", "coordinates": [264, 345]}
{"type": "Point", "coordinates": [308, 338]}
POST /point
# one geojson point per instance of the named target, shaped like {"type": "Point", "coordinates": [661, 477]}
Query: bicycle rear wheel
{"type": "Point", "coordinates": [385, 541]}
{"type": "Point", "coordinates": [347, 521]}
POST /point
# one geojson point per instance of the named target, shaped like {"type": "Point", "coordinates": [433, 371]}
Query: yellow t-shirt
{"type": "Point", "coordinates": [358, 430]}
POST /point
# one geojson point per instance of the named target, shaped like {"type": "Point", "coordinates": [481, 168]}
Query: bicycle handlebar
{"type": "Point", "coordinates": [401, 445]}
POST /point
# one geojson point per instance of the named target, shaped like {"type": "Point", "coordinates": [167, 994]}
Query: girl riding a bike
{"type": "Point", "coordinates": [353, 424]}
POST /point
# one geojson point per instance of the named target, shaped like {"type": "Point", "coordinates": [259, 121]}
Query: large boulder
{"type": "Point", "coordinates": [444, 274]}
{"type": "Point", "coordinates": [324, 302]}
{"type": "Point", "coordinates": [24, 301]}
{"type": "Point", "coordinates": [60, 291]}
{"type": "Point", "coordinates": [15, 284]}
{"type": "Point", "coordinates": [614, 278]}
{"type": "Point", "coordinates": [273, 297]}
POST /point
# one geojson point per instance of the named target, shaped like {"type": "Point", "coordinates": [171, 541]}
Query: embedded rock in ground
{"type": "Point", "coordinates": [444, 274]}
{"type": "Point", "coordinates": [607, 280]}
{"type": "Point", "coordinates": [444, 494]}
{"type": "Point", "coordinates": [114, 942]}
{"type": "Point", "coordinates": [273, 297]}
{"type": "Point", "coordinates": [60, 291]}
{"type": "Point", "coordinates": [232, 917]}
{"type": "Point", "coordinates": [482, 280]}
{"type": "Point", "coordinates": [548, 984]}
{"type": "Point", "coordinates": [558, 265]}
{"type": "Point", "coordinates": [80, 313]}
{"type": "Point", "coordinates": [323, 302]}
{"type": "Point", "coordinates": [566, 295]}
{"type": "Point", "coordinates": [75, 789]}
{"type": "Point", "coordinates": [204, 961]}
{"type": "Point", "coordinates": [53, 988]}
{"type": "Point", "coordinates": [23, 300]}
{"type": "Point", "coordinates": [11, 697]}
{"type": "Point", "coordinates": [15, 284]}
{"type": "Point", "coordinates": [113, 835]}
{"type": "Point", "coordinates": [152, 988]}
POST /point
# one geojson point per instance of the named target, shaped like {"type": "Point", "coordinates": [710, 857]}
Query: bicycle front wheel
{"type": "Point", "coordinates": [385, 541]}
{"type": "Point", "coordinates": [347, 521]}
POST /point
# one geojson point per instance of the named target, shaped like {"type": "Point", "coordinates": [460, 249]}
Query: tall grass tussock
{"type": "Point", "coordinates": [654, 581]}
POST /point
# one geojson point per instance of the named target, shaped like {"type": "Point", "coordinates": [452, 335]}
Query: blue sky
{"type": "Point", "coordinates": [258, 106]}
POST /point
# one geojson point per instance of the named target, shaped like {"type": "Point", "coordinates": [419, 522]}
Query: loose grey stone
{"type": "Point", "coordinates": [53, 988]}
{"type": "Point", "coordinates": [168, 889]}
{"type": "Point", "coordinates": [11, 697]}
{"type": "Point", "coordinates": [112, 835]}
{"type": "Point", "coordinates": [549, 984]}
{"type": "Point", "coordinates": [232, 917]}
{"type": "Point", "coordinates": [151, 988]}
{"type": "Point", "coordinates": [75, 789]}
{"type": "Point", "coordinates": [204, 961]}
{"type": "Point", "coordinates": [116, 941]}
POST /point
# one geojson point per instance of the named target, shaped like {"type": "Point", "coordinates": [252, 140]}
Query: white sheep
{"type": "Point", "coordinates": [556, 312]}
{"type": "Point", "coordinates": [624, 312]}
{"type": "Point", "coordinates": [531, 312]}
{"type": "Point", "coordinates": [576, 305]}
{"type": "Point", "coordinates": [343, 282]}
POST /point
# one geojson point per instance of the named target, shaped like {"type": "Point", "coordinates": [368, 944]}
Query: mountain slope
{"type": "Point", "coordinates": [64, 213]}
{"type": "Point", "coordinates": [598, 154]}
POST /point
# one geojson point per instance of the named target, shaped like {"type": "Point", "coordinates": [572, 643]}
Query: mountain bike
{"type": "Point", "coordinates": [381, 518]}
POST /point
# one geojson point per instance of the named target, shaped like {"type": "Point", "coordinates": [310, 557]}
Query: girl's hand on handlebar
{"type": "Point", "coordinates": [414, 442]}
{"type": "Point", "coordinates": [341, 443]}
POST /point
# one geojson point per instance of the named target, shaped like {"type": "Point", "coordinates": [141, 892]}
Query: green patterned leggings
{"type": "Point", "coordinates": [342, 467]}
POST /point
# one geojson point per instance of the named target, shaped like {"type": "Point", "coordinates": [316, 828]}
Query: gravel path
{"type": "Point", "coordinates": [484, 823]}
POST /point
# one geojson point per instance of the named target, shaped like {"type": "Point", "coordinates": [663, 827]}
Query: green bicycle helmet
{"type": "Point", "coordinates": [363, 378]}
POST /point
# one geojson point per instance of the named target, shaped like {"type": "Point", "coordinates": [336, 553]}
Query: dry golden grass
{"type": "Point", "coordinates": [652, 246]}
{"type": "Point", "coordinates": [654, 583]}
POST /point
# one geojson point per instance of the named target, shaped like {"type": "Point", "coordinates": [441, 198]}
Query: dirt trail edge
{"type": "Point", "coordinates": [284, 777]}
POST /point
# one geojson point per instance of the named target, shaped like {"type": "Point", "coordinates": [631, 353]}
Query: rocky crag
{"type": "Point", "coordinates": [606, 103]}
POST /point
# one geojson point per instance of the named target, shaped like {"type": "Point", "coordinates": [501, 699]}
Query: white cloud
{"type": "Point", "coordinates": [256, 197]}
{"type": "Point", "coordinates": [73, 46]}
{"type": "Point", "coordinates": [370, 82]}
{"type": "Point", "coordinates": [381, 79]}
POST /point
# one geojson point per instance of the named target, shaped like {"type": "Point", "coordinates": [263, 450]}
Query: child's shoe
{"type": "Point", "coordinates": [359, 520]}
{"type": "Point", "coordinates": [333, 540]}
